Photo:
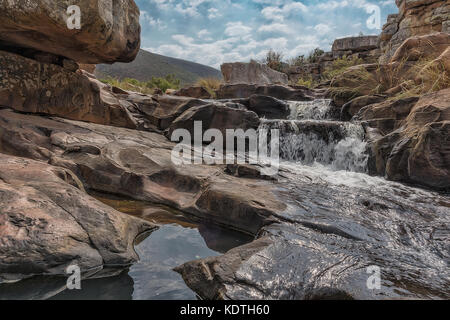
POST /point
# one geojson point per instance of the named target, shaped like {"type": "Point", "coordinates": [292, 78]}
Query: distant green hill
{"type": "Point", "coordinates": [148, 65]}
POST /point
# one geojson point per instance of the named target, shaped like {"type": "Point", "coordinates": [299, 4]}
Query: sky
{"type": "Point", "coordinates": [212, 32]}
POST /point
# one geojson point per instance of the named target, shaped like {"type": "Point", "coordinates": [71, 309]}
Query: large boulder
{"type": "Point", "coordinates": [48, 222]}
{"type": "Point", "coordinates": [109, 32]}
{"type": "Point", "coordinates": [27, 85]}
{"type": "Point", "coordinates": [252, 73]}
{"type": "Point", "coordinates": [414, 140]}
{"type": "Point", "coordinates": [355, 44]}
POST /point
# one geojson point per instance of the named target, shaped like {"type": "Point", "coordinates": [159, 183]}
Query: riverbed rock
{"type": "Point", "coordinates": [327, 251]}
{"type": "Point", "coordinates": [350, 109]}
{"type": "Point", "coordinates": [109, 30]}
{"type": "Point", "coordinates": [252, 73]}
{"type": "Point", "coordinates": [268, 107]}
{"type": "Point", "coordinates": [48, 222]}
{"type": "Point", "coordinates": [139, 165]}
{"type": "Point", "coordinates": [414, 147]}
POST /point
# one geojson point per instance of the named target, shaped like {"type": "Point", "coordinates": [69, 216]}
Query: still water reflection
{"type": "Point", "coordinates": [179, 239]}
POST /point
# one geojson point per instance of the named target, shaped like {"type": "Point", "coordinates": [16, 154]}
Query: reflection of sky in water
{"type": "Point", "coordinates": [163, 250]}
{"type": "Point", "coordinates": [177, 241]}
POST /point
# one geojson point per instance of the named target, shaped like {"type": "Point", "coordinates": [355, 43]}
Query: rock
{"type": "Point", "coordinates": [138, 165]}
{"type": "Point", "coordinates": [415, 147]}
{"type": "Point", "coordinates": [194, 92]}
{"type": "Point", "coordinates": [322, 250]}
{"type": "Point", "coordinates": [47, 224]}
{"type": "Point", "coordinates": [351, 108]}
{"type": "Point", "coordinates": [415, 18]}
{"type": "Point", "coordinates": [27, 85]}
{"type": "Point", "coordinates": [88, 67]}
{"type": "Point", "coordinates": [355, 44]}
{"type": "Point", "coordinates": [268, 107]}
{"type": "Point", "coordinates": [427, 47]}
{"type": "Point", "coordinates": [161, 110]}
{"type": "Point", "coordinates": [109, 30]}
{"type": "Point", "coordinates": [215, 116]}
{"type": "Point", "coordinates": [252, 73]}
{"type": "Point", "coordinates": [243, 91]}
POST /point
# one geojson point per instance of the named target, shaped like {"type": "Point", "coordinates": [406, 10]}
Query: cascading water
{"type": "Point", "coordinates": [336, 145]}
{"type": "Point", "coordinates": [319, 109]}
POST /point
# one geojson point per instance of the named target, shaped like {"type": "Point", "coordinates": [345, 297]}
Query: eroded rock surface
{"type": "Point", "coordinates": [413, 138]}
{"type": "Point", "coordinates": [415, 18]}
{"type": "Point", "coordinates": [48, 222]}
{"type": "Point", "coordinates": [109, 30]}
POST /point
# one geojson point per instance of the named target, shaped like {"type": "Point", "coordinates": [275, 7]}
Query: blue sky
{"type": "Point", "coordinates": [212, 32]}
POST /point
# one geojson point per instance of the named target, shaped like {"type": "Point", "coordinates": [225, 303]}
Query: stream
{"type": "Point", "coordinates": [323, 172]}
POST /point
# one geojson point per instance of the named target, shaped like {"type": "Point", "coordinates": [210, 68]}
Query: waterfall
{"type": "Point", "coordinates": [309, 139]}
{"type": "Point", "coordinates": [317, 110]}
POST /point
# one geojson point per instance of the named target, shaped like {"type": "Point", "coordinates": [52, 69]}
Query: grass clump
{"type": "Point", "coordinates": [339, 66]}
{"type": "Point", "coordinates": [210, 84]}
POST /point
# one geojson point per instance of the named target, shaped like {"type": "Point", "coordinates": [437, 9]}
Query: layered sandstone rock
{"type": "Point", "coordinates": [48, 222]}
{"type": "Point", "coordinates": [109, 30]}
{"type": "Point", "coordinates": [415, 18]}
{"type": "Point", "coordinates": [252, 73]}
{"type": "Point", "coordinates": [27, 85]}
{"type": "Point", "coordinates": [413, 137]}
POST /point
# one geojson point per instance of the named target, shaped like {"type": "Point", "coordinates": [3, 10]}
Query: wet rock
{"type": "Point", "coordinates": [109, 30]}
{"type": "Point", "coordinates": [252, 73]}
{"type": "Point", "coordinates": [323, 249]}
{"type": "Point", "coordinates": [268, 107]}
{"type": "Point", "coordinates": [47, 224]}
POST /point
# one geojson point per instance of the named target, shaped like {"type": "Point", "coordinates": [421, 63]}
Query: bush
{"type": "Point", "coordinates": [129, 84]}
{"type": "Point", "coordinates": [169, 82]}
{"type": "Point", "coordinates": [306, 82]}
{"type": "Point", "coordinates": [314, 56]}
{"type": "Point", "coordinates": [274, 60]}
